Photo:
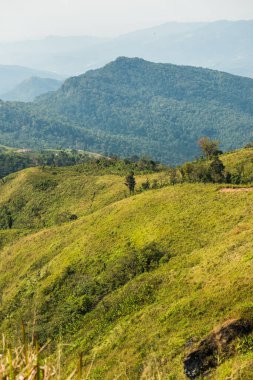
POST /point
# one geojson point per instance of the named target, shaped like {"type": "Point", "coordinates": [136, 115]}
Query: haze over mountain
{"type": "Point", "coordinates": [11, 76]}
{"type": "Point", "coordinates": [30, 88]}
{"type": "Point", "coordinates": [222, 45]}
{"type": "Point", "coordinates": [52, 53]}
{"type": "Point", "coordinates": [131, 107]}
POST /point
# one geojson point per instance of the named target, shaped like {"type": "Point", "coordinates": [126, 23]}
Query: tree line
{"type": "Point", "coordinates": [208, 168]}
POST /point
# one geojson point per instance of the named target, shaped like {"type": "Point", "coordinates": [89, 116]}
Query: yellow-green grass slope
{"type": "Point", "coordinates": [134, 280]}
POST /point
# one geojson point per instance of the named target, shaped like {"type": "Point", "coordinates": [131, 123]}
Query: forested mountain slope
{"type": "Point", "coordinates": [29, 89]}
{"type": "Point", "coordinates": [134, 283]}
{"type": "Point", "coordinates": [11, 76]}
{"type": "Point", "coordinates": [132, 106]}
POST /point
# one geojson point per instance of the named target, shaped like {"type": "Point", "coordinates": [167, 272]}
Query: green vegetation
{"type": "Point", "coordinates": [130, 182]}
{"type": "Point", "coordinates": [209, 147]}
{"type": "Point", "coordinates": [233, 168]}
{"type": "Point", "coordinates": [136, 107]}
{"type": "Point", "coordinates": [12, 160]}
{"type": "Point", "coordinates": [131, 282]}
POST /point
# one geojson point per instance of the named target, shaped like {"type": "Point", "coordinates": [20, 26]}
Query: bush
{"type": "Point", "coordinates": [46, 184]}
{"type": "Point", "coordinates": [65, 217]}
{"type": "Point", "coordinates": [134, 264]}
{"type": "Point", "coordinates": [6, 219]}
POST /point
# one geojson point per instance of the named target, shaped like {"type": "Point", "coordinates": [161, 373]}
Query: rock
{"type": "Point", "coordinates": [205, 356]}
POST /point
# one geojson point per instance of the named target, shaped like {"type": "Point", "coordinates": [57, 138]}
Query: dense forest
{"type": "Point", "coordinates": [136, 107]}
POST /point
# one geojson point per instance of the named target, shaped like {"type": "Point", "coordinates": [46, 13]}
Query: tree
{"type": "Point", "coordinates": [130, 182]}
{"type": "Point", "coordinates": [173, 176]}
{"type": "Point", "coordinates": [249, 145]}
{"type": "Point", "coordinates": [209, 147]}
{"type": "Point", "coordinates": [217, 170]}
{"type": "Point", "coordinates": [199, 172]}
{"type": "Point", "coordinates": [187, 171]}
{"type": "Point", "coordinates": [9, 221]}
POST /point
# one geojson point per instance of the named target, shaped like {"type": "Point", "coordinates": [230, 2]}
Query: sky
{"type": "Point", "coordinates": [31, 19]}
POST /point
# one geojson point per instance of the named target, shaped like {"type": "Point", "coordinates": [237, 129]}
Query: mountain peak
{"type": "Point", "coordinates": [122, 61]}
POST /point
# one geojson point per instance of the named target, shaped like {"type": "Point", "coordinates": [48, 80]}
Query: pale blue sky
{"type": "Point", "coordinates": [21, 19]}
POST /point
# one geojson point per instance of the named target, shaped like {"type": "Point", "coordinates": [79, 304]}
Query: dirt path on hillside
{"type": "Point", "coordinates": [236, 190]}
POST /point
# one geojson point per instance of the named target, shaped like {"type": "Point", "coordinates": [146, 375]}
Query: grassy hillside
{"type": "Point", "coordinates": [132, 106]}
{"type": "Point", "coordinates": [133, 283]}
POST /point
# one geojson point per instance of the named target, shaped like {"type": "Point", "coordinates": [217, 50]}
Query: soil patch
{"type": "Point", "coordinates": [236, 190]}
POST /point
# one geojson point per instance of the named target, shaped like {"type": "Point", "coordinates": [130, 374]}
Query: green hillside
{"type": "Point", "coordinates": [132, 106]}
{"type": "Point", "coordinates": [134, 283]}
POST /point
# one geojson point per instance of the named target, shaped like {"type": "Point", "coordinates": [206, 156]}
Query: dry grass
{"type": "Point", "coordinates": [28, 362]}
{"type": "Point", "coordinates": [25, 362]}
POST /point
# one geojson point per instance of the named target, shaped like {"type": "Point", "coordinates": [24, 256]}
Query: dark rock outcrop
{"type": "Point", "coordinates": [205, 356]}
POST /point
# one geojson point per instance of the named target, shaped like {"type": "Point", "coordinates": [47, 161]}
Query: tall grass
{"type": "Point", "coordinates": [28, 362]}
{"type": "Point", "coordinates": [25, 363]}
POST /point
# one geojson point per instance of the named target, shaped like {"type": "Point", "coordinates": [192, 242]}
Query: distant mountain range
{"type": "Point", "coordinates": [222, 45]}
{"type": "Point", "coordinates": [11, 76]}
{"type": "Point", "coordinates": [30, 88]}
{"type": "Point", "coordinates": [132, 106]}
{"type": "Point", "coordinates": [64, 55]}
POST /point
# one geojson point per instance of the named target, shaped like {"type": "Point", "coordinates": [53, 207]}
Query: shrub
{"type": "Point", "coordinates": [46, 184]}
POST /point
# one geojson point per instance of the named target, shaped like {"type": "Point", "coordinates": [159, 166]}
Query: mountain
{"type": "Point", "coordinates": [11, 76]}
{"type": "Point", "coordinates": [221, 45]}
{"type": "Point", "coordinates": [30, 88]}
{"type": "Point", "coordinates": [159, 283]}
{"type": "Point", "coordinates": [132, 106]}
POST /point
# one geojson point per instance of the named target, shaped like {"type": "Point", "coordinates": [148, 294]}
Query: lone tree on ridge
{"type": "Point", "coordinates": [130, 182]}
